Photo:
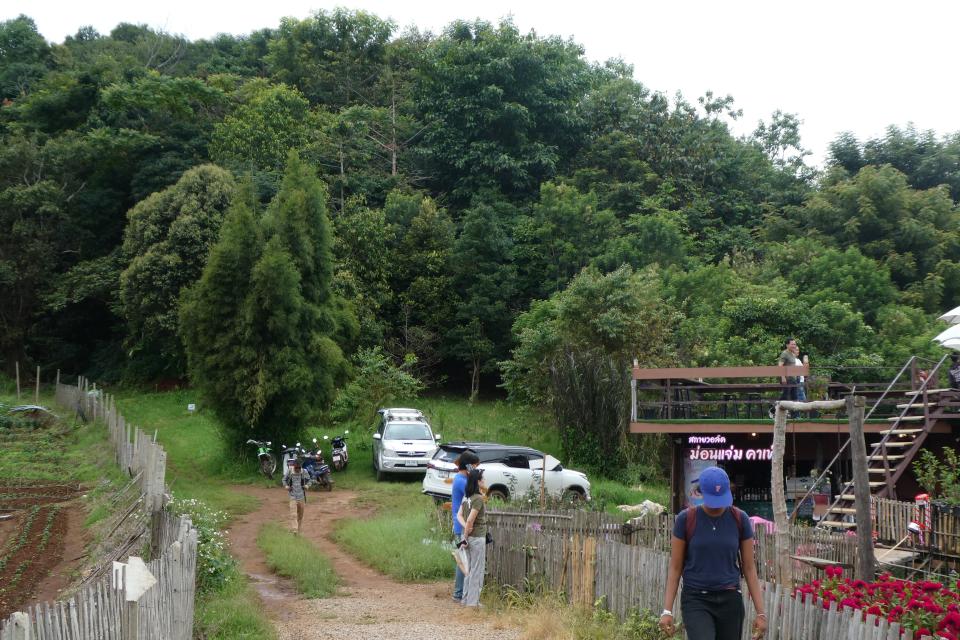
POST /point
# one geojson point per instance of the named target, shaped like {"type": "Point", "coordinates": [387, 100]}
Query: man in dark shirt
{"type": "Point", "coordinates": [954, 372]}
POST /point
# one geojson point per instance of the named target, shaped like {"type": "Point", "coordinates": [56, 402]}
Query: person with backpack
{"type": "Point", "coordinates": [712, 550]}
{"type": "Point", "coordinates": [296, 482]}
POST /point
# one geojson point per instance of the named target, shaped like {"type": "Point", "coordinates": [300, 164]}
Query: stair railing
{"type": "Point", "coordinates": [922, 391]}
{"type": "Point", "coordinates": [827, 467]}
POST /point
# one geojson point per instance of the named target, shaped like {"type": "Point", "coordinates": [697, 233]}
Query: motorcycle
{"type": "Point", "coordinates": [338, 452]}
{"type": "Point", "coordinates": [315, 467]}
{"type": "Point", "coordinates": [291, 456]}
{"type": "Point", "coordinates": [267, 461]}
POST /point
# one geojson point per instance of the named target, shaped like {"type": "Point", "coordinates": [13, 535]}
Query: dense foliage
{"type": "Point", "coordinates": [470, 176]}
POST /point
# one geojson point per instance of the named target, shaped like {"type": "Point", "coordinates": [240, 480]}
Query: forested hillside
{"type": "Point", "coordinates": [466, 178]}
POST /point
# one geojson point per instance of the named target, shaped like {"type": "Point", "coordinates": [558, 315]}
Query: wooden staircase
{"type": "Point", "coordinates": [892, 455]}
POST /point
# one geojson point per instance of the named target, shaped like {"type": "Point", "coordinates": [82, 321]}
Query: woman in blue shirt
{"type": "Point", "coordinates": [712, 549]}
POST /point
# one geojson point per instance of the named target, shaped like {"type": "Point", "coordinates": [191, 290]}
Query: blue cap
{"type": "Point", "coordinates": [715, 488]}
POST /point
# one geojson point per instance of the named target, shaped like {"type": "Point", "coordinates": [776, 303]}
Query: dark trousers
{"type": "Point", "coordinates": [789, 392]}
{"type": "Point", "coordinates": [712, 615]}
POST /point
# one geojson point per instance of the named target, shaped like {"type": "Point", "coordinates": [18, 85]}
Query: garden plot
{"type": "Point", "coordinates": [33, 544]}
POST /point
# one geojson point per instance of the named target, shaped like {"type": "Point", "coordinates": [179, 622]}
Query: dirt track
{"type": "Point", "coordinates": [371, 606]}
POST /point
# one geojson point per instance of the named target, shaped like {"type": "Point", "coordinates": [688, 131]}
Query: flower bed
{"type": "Point", "coordinates": [923, 608]}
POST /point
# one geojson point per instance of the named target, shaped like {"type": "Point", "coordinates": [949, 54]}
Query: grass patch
{"type": "Point", "coordinates": [402, 544]}
{"type": "Point", "coordinates": [294, 557]}
{"type": "Point", "coordinates": [199, 465]}
{"type": "Point", "coordinates": [233, 612]}
{"type": "Point", "coordinates": [607, 494]}
{"type": "Point", "coordinates": [550, 617]}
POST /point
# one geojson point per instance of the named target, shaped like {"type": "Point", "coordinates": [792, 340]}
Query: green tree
{"type": "Point", "coordinates": [484, 280]}
{"type": "Point", "coordinates": [267, 123]}
{"type": "Point", "coordinates": [574, 353]}
{"type": "Point", "coordinates": [166, 243]}
{"type": "Point", "coordinates": [332, 57]}
{"type": "Point", "coordinates": [285, 357]}
{"type": "Point", "coordinates": [501, 108]}
{"type": "Point", "coordinates": [24, 56]}
{"type": "Point", "coordinates": [564, 232]}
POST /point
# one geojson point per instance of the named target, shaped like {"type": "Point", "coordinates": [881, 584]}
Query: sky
{"type": "Point", "coordinates": [840, 65]}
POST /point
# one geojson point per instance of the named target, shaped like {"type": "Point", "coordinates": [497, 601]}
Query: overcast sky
{"type": "Point", "coordinates": [840, 65]}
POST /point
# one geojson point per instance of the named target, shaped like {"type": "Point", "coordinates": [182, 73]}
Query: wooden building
{"type": "Point", "coordinates": [720, 416]}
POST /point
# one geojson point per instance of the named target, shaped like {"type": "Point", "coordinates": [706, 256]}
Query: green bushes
{"type": "Point", "coordinates": [215, 565]}
{"type": "Point", "coordinates": [294, 557]}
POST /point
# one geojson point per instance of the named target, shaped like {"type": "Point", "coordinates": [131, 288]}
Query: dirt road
{"type": "Point", "coordinates": [371, 606]}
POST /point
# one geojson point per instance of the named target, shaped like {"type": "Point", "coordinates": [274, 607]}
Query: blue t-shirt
{"type": "Point", "coordinates": [459, 488]}
{"type": "Point", "coordinates": [711, 557]}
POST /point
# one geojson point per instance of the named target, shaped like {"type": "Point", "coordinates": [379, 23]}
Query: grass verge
{"type": "Point", "coordinates": [550, 617]}
{"type": "Point", "coordinates": [233, 612]}
{"type": "Point", "coordinates": [294, 557]}
{"type": "Point", "coordinates": [404, 544]}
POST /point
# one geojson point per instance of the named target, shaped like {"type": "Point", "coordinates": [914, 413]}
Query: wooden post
{"type": "Point", "coordinates": [543, 483]}
{"type": "Point", "coordinates": [36, 393]}
{"type": "Point", "coordinates": [782, 537]}
{"type": "Point", "coordinates": [861, 489]}
{"type": "Point", "coordinates": [19, 626]}
{"type": "Point", "coordinates": [17, 364]}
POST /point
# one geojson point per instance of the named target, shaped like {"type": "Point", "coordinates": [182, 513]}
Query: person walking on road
{"type": "Point", "coordinates": [706, 545]}
{"type": "Point", "coordinates": [473, 519]}
{"type": "Point", "coordinates": [296, 482]}
{"type": "Point", "coordinates": [467, 460]}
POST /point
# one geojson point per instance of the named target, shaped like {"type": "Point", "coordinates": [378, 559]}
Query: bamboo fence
{"type": "Point", "coordinates": [591, 563]}
{"type": "Point", "coordinates": [125, 603]}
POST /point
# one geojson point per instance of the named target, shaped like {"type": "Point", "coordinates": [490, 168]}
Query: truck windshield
{"type": "Point", "coordinates": [407, 431]}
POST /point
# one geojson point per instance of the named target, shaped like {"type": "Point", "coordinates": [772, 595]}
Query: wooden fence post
{"type": "Point", "coordinates": [782, 536]}
{"type": "Point", "coordinates": [19, 626]}
{"type": "Point", "coordinates": [861, 489]}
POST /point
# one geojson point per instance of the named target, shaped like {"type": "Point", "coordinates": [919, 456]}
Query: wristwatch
{"type": "Point", "coordinates": [666, 612]}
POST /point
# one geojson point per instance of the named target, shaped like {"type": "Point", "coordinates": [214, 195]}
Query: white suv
{"type": "Point", "coordinates": [509, 472]}
{"type": "Point", "coordinates": [403, 442]}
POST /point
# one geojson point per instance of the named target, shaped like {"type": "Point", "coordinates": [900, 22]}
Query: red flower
{"type": "Point", "coordinates": [922, 631]}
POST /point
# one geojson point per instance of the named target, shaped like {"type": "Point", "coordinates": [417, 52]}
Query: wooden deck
{"type": "Point", "coordinates": [761, 426]}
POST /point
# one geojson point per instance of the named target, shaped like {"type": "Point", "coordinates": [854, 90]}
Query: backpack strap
{"type": "Point", "coordinates": [691, 523]}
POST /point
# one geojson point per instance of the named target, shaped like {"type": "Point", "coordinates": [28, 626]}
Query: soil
{"type": "Point", "coordinates": [38, 570]}
{"type": "Point", "coordinates": [369, 605]}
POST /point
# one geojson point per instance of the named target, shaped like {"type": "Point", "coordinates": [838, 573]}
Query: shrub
{"type": "Point", "coordinates": [920, 607]}
{"type": "Point", "coordinates": [378, 383]}
{"type": "Point", "coordinates": [214, 562]}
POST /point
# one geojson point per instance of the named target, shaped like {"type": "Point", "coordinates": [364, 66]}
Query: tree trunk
{"type": "Point", "coordinates": [861, 489]}
{"type": "Point", "coordinates": [475, 380]}
{"type": "Point", "coordinates": [782, 537]}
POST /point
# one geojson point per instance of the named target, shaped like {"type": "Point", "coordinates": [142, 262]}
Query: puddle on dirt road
{"type": "Point", "coordinates": [272, 590]}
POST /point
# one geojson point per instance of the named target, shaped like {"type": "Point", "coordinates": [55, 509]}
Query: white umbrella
{"type": "Point", "coordinates": [952, 316]}
{"type": "Point", "coordinates": [951, 333]}
{"type": "Point", "coordinates": [951, 343]}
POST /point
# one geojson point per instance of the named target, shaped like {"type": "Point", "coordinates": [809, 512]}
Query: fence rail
{"type": "Point", "coordinates": [136, 600]}
{"type": "Point", "coordinates": [590, 561]}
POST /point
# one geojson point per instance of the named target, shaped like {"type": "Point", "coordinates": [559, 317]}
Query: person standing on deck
{"type": "Point", "coordinates": [954, 372]}
{"type": "Point", "coordinates": [787, 359]}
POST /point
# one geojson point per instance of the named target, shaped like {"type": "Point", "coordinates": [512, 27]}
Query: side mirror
{"type": "Point", "coordinates": [436, 437]}
{"type": "Point", "coordinates": [298, 444]}
{"type": "Point", "coordinates": [376, 436]}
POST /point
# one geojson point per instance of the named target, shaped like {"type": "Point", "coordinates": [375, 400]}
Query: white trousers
{"type": "Point", "coordinates": [473, 583]}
